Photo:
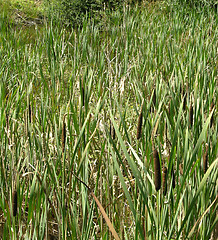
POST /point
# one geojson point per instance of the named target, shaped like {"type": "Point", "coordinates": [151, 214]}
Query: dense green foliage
{"type": "Point", "coordinates": [200, 3]}
{"type": "Point", "coordinates": [72, 12]}
{"type": "Point", "coordinates": [95, 103]}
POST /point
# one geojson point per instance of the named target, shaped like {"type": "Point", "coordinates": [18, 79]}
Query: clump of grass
{"type": "Point", "coordinates": [157, 173]}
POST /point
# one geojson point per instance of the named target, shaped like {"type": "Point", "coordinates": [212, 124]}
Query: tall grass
{"type": "Point", "coordinates": [70, 104]}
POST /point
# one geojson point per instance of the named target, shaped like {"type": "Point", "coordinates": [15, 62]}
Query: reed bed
{"type": "Point", "coordinates": [70, 117]}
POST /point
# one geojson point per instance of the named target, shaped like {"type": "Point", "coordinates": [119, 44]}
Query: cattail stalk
{"type": "Point", "coordinates": [157, 173]}
{"type": "Point", "coordinates": [164, 181]}
{"type": "Point", "coordinates": [14, 202]}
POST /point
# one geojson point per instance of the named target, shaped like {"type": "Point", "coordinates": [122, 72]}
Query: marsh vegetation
{"type": "Point", "coordinates": [127, 107]}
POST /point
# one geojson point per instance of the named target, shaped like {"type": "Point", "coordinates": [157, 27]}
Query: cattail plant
{"type": "Point", "coordinates": [164, 181]}
{"type": "Point", "coordinates": [205, 159]}
{"type": "Point", "coordinates": [157, 173]}
{"type": "Point", "coordinates": [14, 202]}
{"type": "Point", "coordinates": [190, 115]}
{"type": "Point", "coordinates": [139, 128]}
{"type": "Point", "coordinates": [63, 137]}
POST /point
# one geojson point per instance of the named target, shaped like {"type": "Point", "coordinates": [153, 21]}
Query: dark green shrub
{"type": "Point", "coordinates": [72, 12]}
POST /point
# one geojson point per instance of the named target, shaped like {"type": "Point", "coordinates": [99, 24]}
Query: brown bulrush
{"type": "Point", "coordinates": [190, 115]}
{"type": "Point", "coordinates": [205, 159]}
{"type": "Point", "coordinates": [63, 137]}
{"type": "Point", "coordinates": [14, 203]}
{"type": "Point", "coordinates": [164, 181]}
{"type": "Point", "coordinates": [139, 128]}
{"type": "Point", "coordinates": [157, 173]}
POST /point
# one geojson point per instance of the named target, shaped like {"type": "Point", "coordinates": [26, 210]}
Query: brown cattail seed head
{"type": "Point", "coordinates": [169, 109]}
{"type": "Point", "coordinates": [166, 129]}
{"type": "Point", "coordinates": [30, 113]}
{"type": "Point", "coordinates": [83, 96]}
{"type": "Point", "coordinates": [173, 178]}
{"type": "Point", "coordinates": [139, 128]}
{"type": "Point", "coordinates": [205, 159]}
{"type": "Point", "coordinates": [14, 202]}
{"type": "Point", "coordinates": [154, 98]}
{"type": "Point", "coordinates": [211, 108]}
{"type": "Point", "coordinates": [184, 102]}
{"type": "Point", "coordinates": [191, 115]}
{"type": "Point", "coordinates": [181, 168]}
{"type": "Point", "coordinates": [112, 131]}
{"type": "Point", "coordinates": [164, 181]}
{"type": "Point", "coordinates": [157, 173]}
{"type": "Point", "coordinates": [63, 137]}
